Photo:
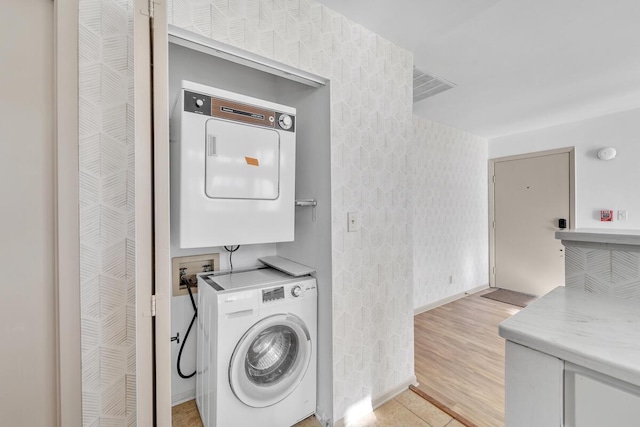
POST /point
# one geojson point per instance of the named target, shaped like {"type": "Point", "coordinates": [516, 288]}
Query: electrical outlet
{"type": "Point", "coordinates": [623, 215]}
{"type": "Point", "coordinates": [192, 265]}
{"type": "Point", "coordinates": [353, 222]}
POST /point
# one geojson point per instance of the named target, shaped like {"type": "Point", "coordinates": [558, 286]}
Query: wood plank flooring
{"type": "Point", "coordinates": [459, 357]}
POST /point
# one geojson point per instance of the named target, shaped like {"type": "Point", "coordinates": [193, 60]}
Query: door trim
{"type": "Point", "coordinates": [162, 264]}
{"type": "Point", "coordinates": [145, 404]}
{"type": "Point", "coordinates": [572, 196]}
{"type": "Point", "coordinates": [66, 211]}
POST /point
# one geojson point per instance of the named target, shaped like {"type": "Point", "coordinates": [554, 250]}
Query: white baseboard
{"type": "Point", "coordinates": [447, 300]}
{"type": "Point", "coordinates": [383, 398]}
{"type": "Point", "coordinates": [186, 396]}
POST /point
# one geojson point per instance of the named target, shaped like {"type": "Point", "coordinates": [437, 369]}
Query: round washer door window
{"type": "Point", "coordinates": [270, 360]}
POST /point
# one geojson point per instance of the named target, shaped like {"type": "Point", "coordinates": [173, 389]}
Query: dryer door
{"type": "Point", "coordinates": [242, 161]}
{"type": "Point", "coordinates": [270, 360]}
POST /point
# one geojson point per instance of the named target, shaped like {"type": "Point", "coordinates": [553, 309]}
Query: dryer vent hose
{"type": "Point", "coordinates": [186, 282]}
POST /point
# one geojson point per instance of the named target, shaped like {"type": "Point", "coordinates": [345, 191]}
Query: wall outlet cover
{"type": "Point", "coordinates": [353, 222]}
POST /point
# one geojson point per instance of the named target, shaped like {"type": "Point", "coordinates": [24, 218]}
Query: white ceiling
{"type": "Point", "coordinates": [518, 64]}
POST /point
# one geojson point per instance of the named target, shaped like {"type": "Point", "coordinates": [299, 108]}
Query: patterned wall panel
{"type": "Point", "coordinates": [450, 212]}
{"type": "Point", "coordinates": [371, 108]}
{"type": "Point", "coordinates": [106, 212]}
{"type": "Point", "coordinates": [603, 271]}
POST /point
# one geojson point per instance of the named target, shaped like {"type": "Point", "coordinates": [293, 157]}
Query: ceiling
{"type": "Point", "coordinates": [518, 64]}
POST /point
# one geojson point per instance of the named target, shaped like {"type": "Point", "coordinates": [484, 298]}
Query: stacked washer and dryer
{"type": "Point", "coordinates": [232, 183]}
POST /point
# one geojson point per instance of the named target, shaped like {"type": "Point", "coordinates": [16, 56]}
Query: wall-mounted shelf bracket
{"type": "Point", "coordinates": [309, 202]}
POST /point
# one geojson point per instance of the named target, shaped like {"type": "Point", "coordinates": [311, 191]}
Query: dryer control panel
{"type": "Point", "coordinates": [237, 112]}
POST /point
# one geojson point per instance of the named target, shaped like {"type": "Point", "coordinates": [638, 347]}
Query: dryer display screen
{"type": "Point", "coordinates": [272, 294]}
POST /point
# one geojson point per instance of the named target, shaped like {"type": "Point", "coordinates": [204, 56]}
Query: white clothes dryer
{"type": "Point", "coordinates": [256, 363]}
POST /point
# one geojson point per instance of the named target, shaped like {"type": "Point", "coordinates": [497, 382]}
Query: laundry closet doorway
{"type": "Point", "coordinates": [182, 55]}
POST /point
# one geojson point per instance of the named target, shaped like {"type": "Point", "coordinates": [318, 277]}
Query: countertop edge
{"type": "Point", "coordinates": [597, 235]}
{"type": "Point", "coordinates": [559, 351]}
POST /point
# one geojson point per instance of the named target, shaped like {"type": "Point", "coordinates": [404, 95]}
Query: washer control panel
{"type": "Point", "coordinates": [288, 291]}
{"type": "Point", "coordinates": [273, 294]}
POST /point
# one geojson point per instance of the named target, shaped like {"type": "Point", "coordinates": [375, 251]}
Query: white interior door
{"type": "Point", "coordinates": [530, 196]}
{"type": "Point", "coordinates": [153, 264]}
{"type": "Point", "coordinates": [161, 239]}
{"type": "Point", "coordinates": [28, 384]}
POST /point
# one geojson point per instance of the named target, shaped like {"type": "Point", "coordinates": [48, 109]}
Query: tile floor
{"type": "Point", "coordinates": [405, 410]}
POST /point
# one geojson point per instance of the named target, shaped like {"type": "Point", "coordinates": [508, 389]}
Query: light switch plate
{"type": "Point", "coordinates": [623, 215]}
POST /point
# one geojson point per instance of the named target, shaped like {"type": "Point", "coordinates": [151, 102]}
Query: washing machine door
{"type": "Point", "coordinates": [270, 360]}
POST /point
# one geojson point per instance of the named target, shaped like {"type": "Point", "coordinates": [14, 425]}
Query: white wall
{"type": "Point", "coordinates": [599, 184]}
{"type": "Point", "coordinates": [449, 204]}
{"type": "Point", "coordinates": [27, 312]}
{"type": "Point", "coordinates": [107, 211]}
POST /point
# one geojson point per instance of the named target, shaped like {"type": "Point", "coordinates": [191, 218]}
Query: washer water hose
{"type": "Point", "coordinates": [188, 284]}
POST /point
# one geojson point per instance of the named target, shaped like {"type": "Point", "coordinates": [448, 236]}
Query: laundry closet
{"type": "Point", "coordinates": [254, 185]}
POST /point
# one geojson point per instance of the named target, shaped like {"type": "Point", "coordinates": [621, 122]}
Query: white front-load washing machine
{"type": "Point", "coordinates": [256, 363]}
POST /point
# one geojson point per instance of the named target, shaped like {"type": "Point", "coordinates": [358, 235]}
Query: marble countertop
{"type": "Point", "coordinates": [599, 332]}
{"type": "Point", "coordinates": [601, 235]}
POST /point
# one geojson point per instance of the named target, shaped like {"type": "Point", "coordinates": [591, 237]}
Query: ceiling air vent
{"type": "Point", "coordinates": [426, 85]}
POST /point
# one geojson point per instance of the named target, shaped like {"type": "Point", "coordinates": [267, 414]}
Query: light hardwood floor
{"type": "Point", "coordinates": [459, 357]}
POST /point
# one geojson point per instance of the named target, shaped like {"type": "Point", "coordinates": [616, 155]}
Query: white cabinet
{"type": "Point", "coordinates": [573, 360]}
{"type": "Point", "coordinates": [596, 400]}
{"type": "Point", "coordinates": [544, 391]}
{"type": "Point", "coordinates": [533, 388]}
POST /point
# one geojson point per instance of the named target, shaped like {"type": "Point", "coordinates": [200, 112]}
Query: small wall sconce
{"type": "Point", "coordinates": [607, 153]}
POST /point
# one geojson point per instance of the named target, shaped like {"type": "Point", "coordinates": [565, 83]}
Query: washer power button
{"type": "Point", "coordinates": [296, 291]}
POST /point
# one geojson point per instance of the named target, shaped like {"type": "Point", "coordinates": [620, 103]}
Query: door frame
{"type": "Point", "coordinates": [67, 215]}
{"type": "Point", "coordinates": [159, 215]}
{"type": "Point", "coordinates": [491, 225]}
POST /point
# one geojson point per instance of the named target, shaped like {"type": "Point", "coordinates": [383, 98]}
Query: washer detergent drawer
{"type": "Point", "coordinates": [242, 161]}
{"type": "Point", "coordinates": [240, 304]}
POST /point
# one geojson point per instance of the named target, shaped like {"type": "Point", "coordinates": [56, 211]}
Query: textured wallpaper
{"type": "Point", "coordinates": [107, 212]}
{"type": "Point", "coordinates": [450, 212]}
{"type": "Point", "coordinates": [603, 271]}
{"type": "Point", "coordinates": [371, 104]}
